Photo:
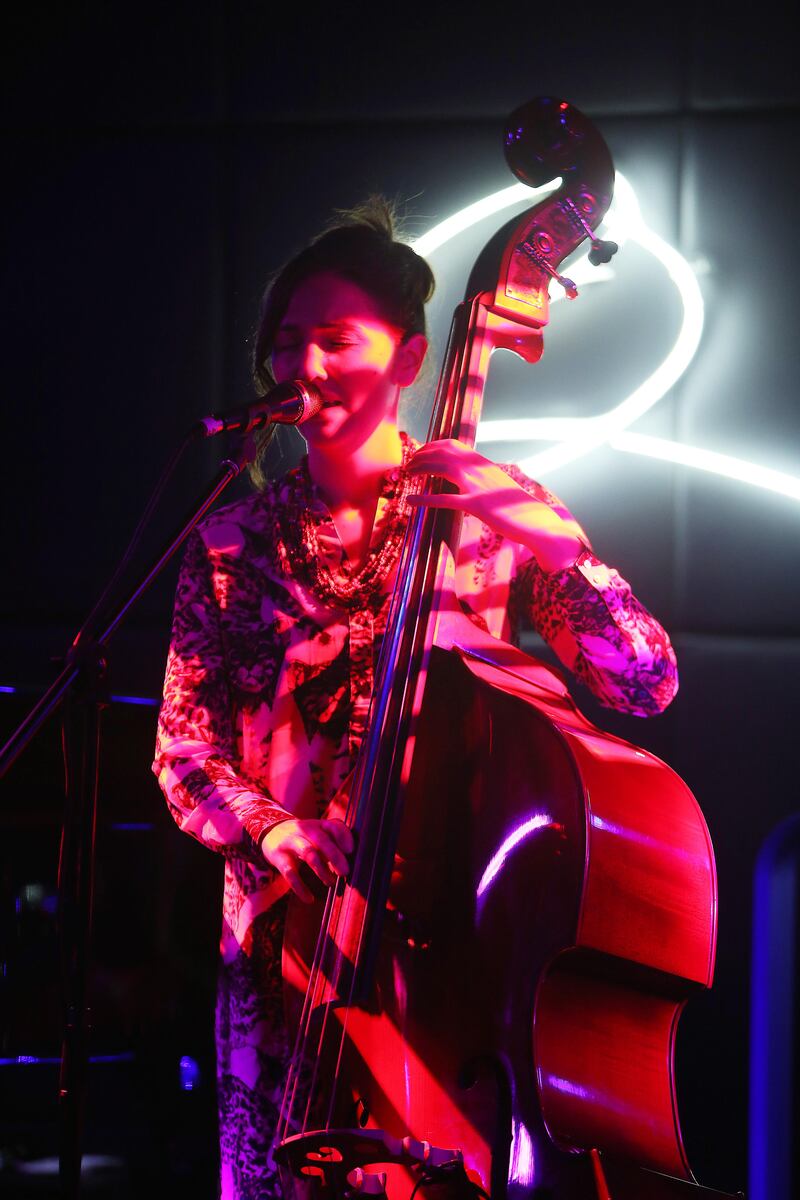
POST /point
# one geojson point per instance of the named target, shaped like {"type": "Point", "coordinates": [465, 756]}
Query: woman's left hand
{"type": "Point", "coordinates": [488, 493]}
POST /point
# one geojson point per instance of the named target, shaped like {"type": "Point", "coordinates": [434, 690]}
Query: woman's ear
{"type": "Point", "coordinates": [408, 359]}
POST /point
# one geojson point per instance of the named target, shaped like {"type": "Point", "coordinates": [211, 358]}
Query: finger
{"type": "Point", "coordinates": [319, 865]}
{"type": "Point", "coordinates": [341, 833]}
{"type": "Point", "coordinates": [332, 853]}
{"type": "Point", "coordinates": [292, 877]}
{"type": "Point", "coordinates": [445, 451]}
{"type": "Point", "coordinates": [434, 452]}
{"type": "Point", "coordinates": [442, 446]}
{"type": "Point", "coordinates": [432, 465]}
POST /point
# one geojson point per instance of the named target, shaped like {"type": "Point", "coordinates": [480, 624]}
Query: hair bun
{"type": "Point", "coordinates": [376, 213]}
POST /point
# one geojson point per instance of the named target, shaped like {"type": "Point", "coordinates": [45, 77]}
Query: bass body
{"type": "Point", "coordinates": [551, 909]}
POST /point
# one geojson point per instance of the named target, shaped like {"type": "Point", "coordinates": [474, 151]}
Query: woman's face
{"type": "Point", "coordinates": [335, 336]}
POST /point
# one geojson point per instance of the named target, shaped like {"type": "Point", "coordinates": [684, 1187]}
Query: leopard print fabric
{"type": "Point", "coordinates": [264, 703]}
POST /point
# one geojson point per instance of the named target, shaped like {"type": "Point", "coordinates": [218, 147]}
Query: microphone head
{"type": "Point", "coordinates": [294, 402]}
{"type": "Point", "coordinates": [312, 399]}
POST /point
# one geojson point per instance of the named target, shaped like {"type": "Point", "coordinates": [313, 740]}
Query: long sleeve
{"type": "Point", "coordinates": [590, 617]}
{"type": "Point", "coordinates": [195, 753]}
{"type": "Point", "coordinates": [600, 631]}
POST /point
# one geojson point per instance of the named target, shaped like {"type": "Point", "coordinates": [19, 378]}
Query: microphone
{"type": "Point", "coordinates": [286, 404]}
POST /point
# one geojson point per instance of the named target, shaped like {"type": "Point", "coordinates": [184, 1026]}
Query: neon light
{"type": "Point", "coordinates": [579, 435]}
{"type": "Point", "coordinates": [709, 460]}
{"type": "Point", "coordinates": [465, 218]}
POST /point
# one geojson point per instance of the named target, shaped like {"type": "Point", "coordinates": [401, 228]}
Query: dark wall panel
{"type": "Point", "coordinates": [112, 314]}
{"type": "Point", "coordinates": [740, 571]}
{"type": "Point", "coordinates": [743, 181]}
{"type": "Point", "coordinates": [749, 55]}
{"type": "Point", "coordinates": [738, 397]}
{"type": "Point", "coordinates": [434, 62]}
{"type": "Point", "coordinates": [109, 65]}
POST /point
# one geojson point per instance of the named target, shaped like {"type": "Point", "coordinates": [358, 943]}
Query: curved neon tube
{"type": "Point", "coordinates": [709, 460]}
{"type": "Point", "coordinates": [579, 435]}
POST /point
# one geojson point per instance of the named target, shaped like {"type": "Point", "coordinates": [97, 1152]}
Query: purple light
{"type": "Point", "coordinates": [498, 859]}
{"type": "Point", "coordinates": [521, 1164]}
{"type": "Point", "coordinates": [188, 1073]}
{"type": "Point", "coordinates": [644, 839]}
{"type": "Point", "coordinates": [26, 1060]}
{"type": "Point", "coordinates": [571, 1089]}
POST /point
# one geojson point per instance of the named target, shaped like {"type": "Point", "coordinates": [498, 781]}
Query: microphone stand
{"type": "Point", "coordinates": [81, 688]}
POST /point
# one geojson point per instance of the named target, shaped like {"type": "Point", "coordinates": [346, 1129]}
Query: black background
{"type": "Point", "coordinates": [158, 163]}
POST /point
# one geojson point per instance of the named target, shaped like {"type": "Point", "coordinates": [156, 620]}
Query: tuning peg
{"type": "Point", "coordinates": [602, 252]}
{"type": "Point", "coordinates": [538, 253]}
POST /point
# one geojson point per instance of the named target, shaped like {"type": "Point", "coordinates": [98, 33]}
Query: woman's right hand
{"type": "Point", "coordinates": [323, 845]}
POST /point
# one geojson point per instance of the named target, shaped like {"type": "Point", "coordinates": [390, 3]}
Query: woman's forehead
{"type": "Point", "coordinates": [328, 299]}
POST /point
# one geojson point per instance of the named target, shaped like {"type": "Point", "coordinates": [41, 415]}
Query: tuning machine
{"type": "Point", "coordinates": [601, 251]}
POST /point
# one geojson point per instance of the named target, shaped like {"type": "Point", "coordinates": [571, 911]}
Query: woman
{"type": "Point", "coordinates": [281, 603]}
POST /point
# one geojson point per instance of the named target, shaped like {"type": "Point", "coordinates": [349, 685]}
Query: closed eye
{"type": "Point", "coordinates": [329, 344]}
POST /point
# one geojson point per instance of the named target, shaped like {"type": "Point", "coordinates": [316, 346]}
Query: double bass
{"type": "Point", "coordinates": [487, 1005]}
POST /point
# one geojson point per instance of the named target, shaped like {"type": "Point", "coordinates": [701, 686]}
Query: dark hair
{"type": "Point", "coordinates": [360, 245]}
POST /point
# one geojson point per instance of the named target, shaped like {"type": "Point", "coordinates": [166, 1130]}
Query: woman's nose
{"type": "Point", "coordinates": [312, 362]}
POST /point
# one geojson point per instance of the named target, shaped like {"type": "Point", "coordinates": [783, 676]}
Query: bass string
{"type": "Point", "coordinates": [352, 984]}
{"type": "Point", "coordinates": [328, 933]}
{"type": "Point", "coordinates": [301, 1038]}
{"type": "Point", "coordinates": [333, 914]}
{"type": "Point", "coordinates": [333, 918]}
{"type": "Point", "coordinates": [343, 915]}
{"type": "Point", "coordinates": [301, 1050]}
{"type": "Point", "coordinates": [318, 1058]}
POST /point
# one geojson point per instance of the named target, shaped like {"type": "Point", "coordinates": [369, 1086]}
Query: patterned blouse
{"type": "Point", "coordinates": [266, 693]}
